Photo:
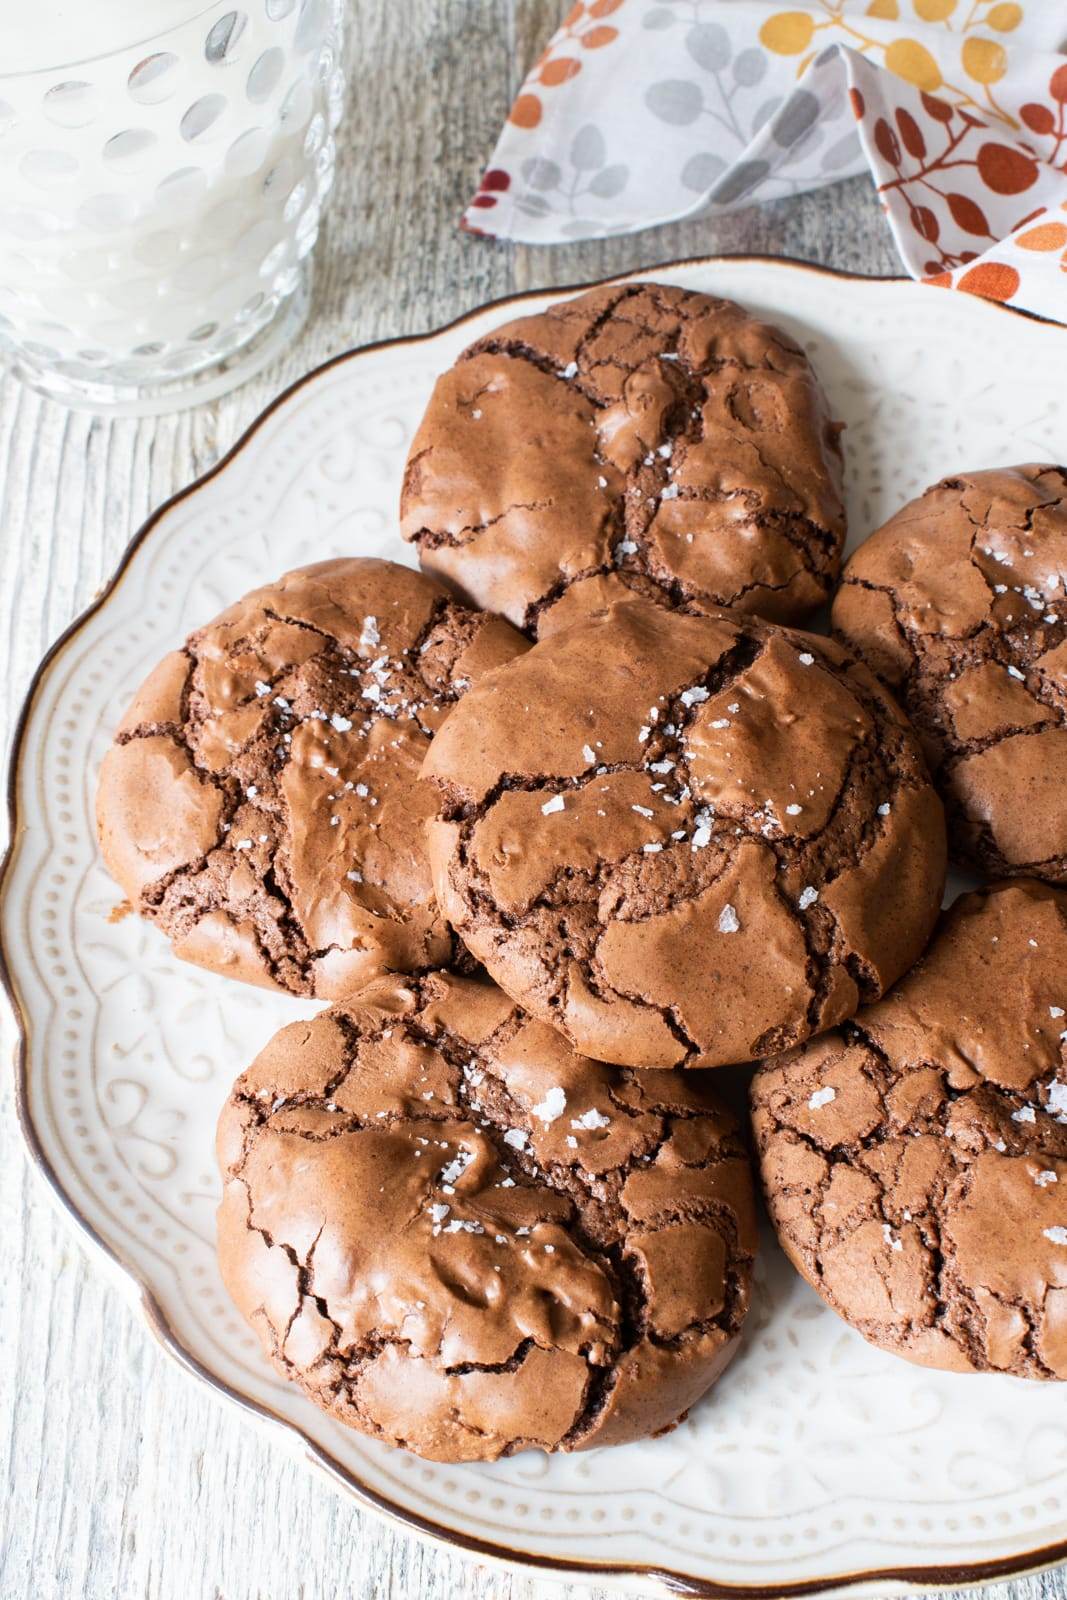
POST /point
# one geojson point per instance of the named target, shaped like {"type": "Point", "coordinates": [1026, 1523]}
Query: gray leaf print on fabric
{"type": "Point", "coordinates": [541, 173]}
{"type": "Point", "coordinates": [587, 149]}
{"type": "Point", "coordinates": [702, 169]}
{"type": "Point", "coordinates": [842, 153]}
{"type": "Point", "coordinates": [533, 205]}
{"type": "Point", "coordinates": [750, 68]}
{"type": "Point", "coordinates": [795, 118]}
{"type": "Point", "coordinates": [680, 101]}
{"type": "Point", "coordinates": [709, 45]}
{"type": "Point", "coordinates": [675, 100]}
{"type": "Point", "coordinates": [610, 181]}
{"type": "Point", "coordinates": [739, 181]}
{"type": "Point", "coordinates": [590, 175]}
{"type": "Point", "coordinates": [765, 113]}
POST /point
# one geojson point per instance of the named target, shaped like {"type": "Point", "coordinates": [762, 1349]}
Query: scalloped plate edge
{"type": "Point", "coordinates": [136, 1291]}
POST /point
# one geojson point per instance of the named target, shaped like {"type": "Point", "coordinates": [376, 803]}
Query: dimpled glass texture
{"type": "Point", "coordinates": [159, 204]}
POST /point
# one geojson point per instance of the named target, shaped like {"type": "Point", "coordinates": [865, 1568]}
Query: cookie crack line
{"type": "Point", "coordinates": [433, 538]}
{"type": "Point", "coordinates": [575, 905]}
{"type": "Point", "coordinates": [969, 628]}
{"type": "Point", "coordinates": [968, 1118]}
{"type": "Point", "coordinates": [584, 1199]}
{"type": "Point", "coordinates": [656, 372]}
{"type": "Point", "coordinates": [983, 633]}
{"type": "Point", "coordinates": [289, 715]}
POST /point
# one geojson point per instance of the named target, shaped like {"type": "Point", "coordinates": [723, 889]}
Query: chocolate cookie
{"type": "Point", "coordinates": [959, 604]}
{"type": "Point", "coordinates": [685, 840]}
{"type": "Point", "coordinates": [915, 1162]}
{"type": "Point", "coordinates": [458, 1236]}
{"type": "Point", "coordinates": [260, 804]}
{"type": "Point", "coordinates": [636, 439]}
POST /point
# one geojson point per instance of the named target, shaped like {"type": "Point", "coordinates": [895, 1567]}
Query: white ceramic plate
{"type": "Point", "coordinates": [817, 1462]}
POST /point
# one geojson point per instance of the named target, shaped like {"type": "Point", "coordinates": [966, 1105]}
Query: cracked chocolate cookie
{"type": "Point", "coordinates": [959, 604]}
{"type": "Point", "coordinates": [915, 1161]}
{"type": "Point", "coordinates": [260, 802]}
{"type": "Point", "coordinates": [460, 1237]}
{"type": "Point", "coordinates": [685, 841]}
{"type": "Point", "coordinates": [636, 439]}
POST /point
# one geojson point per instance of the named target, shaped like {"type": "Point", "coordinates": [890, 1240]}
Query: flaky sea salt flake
{"type": "Point", "coordinates": [1057, 1099]}
{"type": "Point", "coordinates": [552, 1106]}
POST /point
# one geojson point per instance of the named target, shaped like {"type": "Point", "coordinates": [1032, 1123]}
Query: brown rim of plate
{"type": "Point", "coordinates": [925, 1577]}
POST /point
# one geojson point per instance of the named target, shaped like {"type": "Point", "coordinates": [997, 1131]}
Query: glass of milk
{"type": "Point", "coordinates": [163, 169]}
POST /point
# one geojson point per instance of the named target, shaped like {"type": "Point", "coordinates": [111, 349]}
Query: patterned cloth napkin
{"type": "Point", "coordinates": [643, 111]}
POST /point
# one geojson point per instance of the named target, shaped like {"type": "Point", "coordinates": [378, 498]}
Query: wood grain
{"type": "Point", "coordinates": [121, 1478]}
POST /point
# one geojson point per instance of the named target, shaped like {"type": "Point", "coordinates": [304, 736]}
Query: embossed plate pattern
{"type": "Point", "coordinates": [818, 1461]}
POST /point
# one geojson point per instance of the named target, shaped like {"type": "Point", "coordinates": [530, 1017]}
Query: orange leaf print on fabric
{"type": "Point", "coordinates": [1005, 169]}
{"type": "Point", "coordinates": [993, 280]}
{"type": "Point", "coordinates": [787, 34]}
{"type": "Point", "coordinates": [984, 60]}
{"type": "Point", "coordinates": [1038, 118]}
{"type": "Point", "coordinates": [951, 141]}
{"type": "Point", "coordinates": [1005, 17]}
{"type": "Point", "coordinates": [885, 142]}
{"type": "Point", "coordinates": [1047, 236]}
{"type": "Point", "coordinates": [582, 26]}
{"type": "Point", "coordinates": [526, 112]}
{"type": "Point", "coordinates": [911, 134]}
{"type": "Point", "coordinates": [556, 72]}
{"type": "Point", "coordinates": [597, 38]}
{"type": "Point", "coordinates": [940, 110]}
{"type": "Point", "coordinates": [910, 60]}
{"type": "Point", "coordinates": [495, 182]}
{"type": "Point", "coordinates": [968, 215]}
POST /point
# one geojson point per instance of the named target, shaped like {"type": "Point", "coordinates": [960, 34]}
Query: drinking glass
{"type": "Point", "coordinates": [162, 179]}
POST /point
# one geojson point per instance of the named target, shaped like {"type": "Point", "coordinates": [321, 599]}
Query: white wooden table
{"type": "Point", "coordinates": [121, 1478]}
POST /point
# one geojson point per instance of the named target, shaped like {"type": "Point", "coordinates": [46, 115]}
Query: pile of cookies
{"type": "Point", "coordinates": [574, 816]}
